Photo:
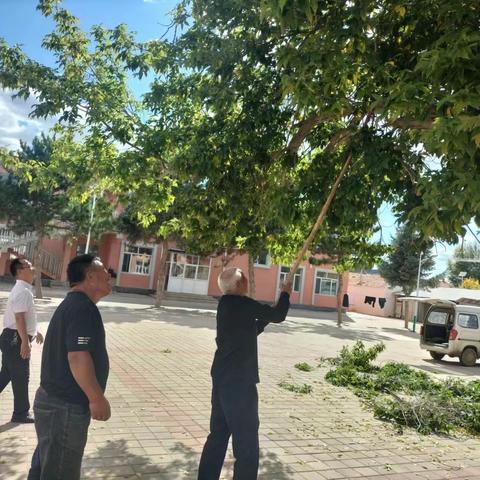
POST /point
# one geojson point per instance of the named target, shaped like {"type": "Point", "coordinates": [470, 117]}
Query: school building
{"type": "Point", "coordinates": [137, 265]}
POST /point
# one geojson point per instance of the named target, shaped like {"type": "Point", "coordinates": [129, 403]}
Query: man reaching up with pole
{"type": "Point", "coordinates": [235, 376]}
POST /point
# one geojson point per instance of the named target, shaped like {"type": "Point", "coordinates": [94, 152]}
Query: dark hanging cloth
{"type": "Point", "coordinates": [370, 300]}
{"type": "Point", "coordinates": [382, 302]}
{"type": "Point", "coordinates": [345, 301]}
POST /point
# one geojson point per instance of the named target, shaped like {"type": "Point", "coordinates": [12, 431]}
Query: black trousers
{"type": "Point", "coordinates": [235, 413]}
{"type": "Point", "coordinates": [15, 369]}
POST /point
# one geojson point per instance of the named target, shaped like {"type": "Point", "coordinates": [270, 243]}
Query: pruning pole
{"type": "Point", "coordinates": [319, 222]}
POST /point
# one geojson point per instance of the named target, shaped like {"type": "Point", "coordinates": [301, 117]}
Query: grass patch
{"type": "Point", "coordinates": [404, 396]}
{"type": "Point", "coordinates": [291, 387]}
{"type": "Point", "coordinates": [167, 350]}
{"type": "Point", "coordinates": [304, 367]}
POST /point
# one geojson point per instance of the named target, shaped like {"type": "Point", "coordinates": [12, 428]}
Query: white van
{"type": "Point", "coordinates": [453, 330]}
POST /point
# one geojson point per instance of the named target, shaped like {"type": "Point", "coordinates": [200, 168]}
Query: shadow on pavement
{"type": "Point", "coordinates": [8, 426]}
{"type": "Point", "coordinates": [203, 319]}
{"type": "Point", "coordinates": [10, 458]}
{"type": "Point", "coordinates": [182, 466]}
{"type": "Point", "coordinates": [400, 331]}
{"type": "Point", "coordinates": [452, 367]}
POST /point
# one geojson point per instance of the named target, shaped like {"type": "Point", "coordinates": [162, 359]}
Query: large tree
{"type": "Point", "coordinates": [255, 98]}
{"type": "Point", "coordinates": [38, 197]}
{"type": "Point", "coordinates": [470, 253]}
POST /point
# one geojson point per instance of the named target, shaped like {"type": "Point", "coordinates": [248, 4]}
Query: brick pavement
{"type": "Point", "coordinates": [159, 389]}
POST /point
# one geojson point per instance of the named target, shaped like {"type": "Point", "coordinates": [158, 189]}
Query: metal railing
{"type": "Point", "coordinates": [24, 245]}
{"type": "Point", "coordinates": [9, 239]}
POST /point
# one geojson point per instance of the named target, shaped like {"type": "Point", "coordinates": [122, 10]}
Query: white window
{"type": "Point", "coordinates": [326, 282]}
{"type": "Point", "coordinates": [438, 317]}
{"type": "Point", "coordinates": [263, 260]}
{"type": "Point", "coordinates": [137, 259]}
{"type": "Point", "coordinates": [467, 320]}
{"type": "Point", "coordinates": [297, 278]}
{"type": "Point", "coordinates": [189, 266]}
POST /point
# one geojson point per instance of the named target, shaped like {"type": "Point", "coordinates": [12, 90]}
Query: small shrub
{"type": "Point", "coordinates": [304, 367]}
{"type": "Point", "coordinates": [302, 389]}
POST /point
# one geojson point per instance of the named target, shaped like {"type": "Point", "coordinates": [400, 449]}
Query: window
{"type": "Point", "coordinates": [438, 317]}
{"type": "Point", "coordinates": [326, 283]}
{"type": "Point", "coordinates": [137, 259]}
{"type": "Point", "coordinates": [193, 267]}
{"type": "Point", "coordinates": [467, 320]}
{"type": "Point", "coordinates": [297, 278]}
{"type": "Point", "coordinates": [263, 260]}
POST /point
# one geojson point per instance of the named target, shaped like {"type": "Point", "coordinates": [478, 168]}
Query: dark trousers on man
{"type": "Point", "coordinates": [62, 430]}
{"type": "Point", "coordinates": [15, 369]}
{"type": "Point", "coordinates": [235, 413]}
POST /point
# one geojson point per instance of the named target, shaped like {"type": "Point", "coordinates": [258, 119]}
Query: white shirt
{"type": "Point", "coordinates": [21, 300]}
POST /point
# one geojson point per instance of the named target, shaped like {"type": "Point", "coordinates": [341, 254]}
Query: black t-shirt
{"type": "Point", "coordinates": [75, 326]}
{"type": "Point", "coordinates": [239, 320]}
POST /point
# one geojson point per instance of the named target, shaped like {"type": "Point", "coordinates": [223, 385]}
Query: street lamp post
{"type": "Point", "coordinates": [419, 271]}
{"type": "Point", "coordinates": [415, 317]}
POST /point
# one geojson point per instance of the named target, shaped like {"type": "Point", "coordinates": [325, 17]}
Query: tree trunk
{"type": "Point", "coordinates": [339, 300]}
{"type": "Point", "coordinates": [162, 273]}
{"type": "Point", "coordinates": [251, 277]}
{"type": "Point", "coordinates": [38, 268]}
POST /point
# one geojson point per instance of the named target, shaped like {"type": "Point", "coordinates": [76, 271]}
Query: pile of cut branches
{"type": "Point", "coordinates": [407, 397]}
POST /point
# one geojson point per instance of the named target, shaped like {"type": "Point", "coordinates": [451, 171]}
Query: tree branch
{"type": "Point", "coordinates": [404, 123]}
{"type": "Point", "coordinates": [305, 127]}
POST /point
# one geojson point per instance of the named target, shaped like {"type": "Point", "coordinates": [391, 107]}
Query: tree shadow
{"type": "Point", "coordinates": [181, 464]}
{"type": "Point", "coordinates": [453, 367]}
{"type": "Point", "coordinates": [298, 321]}
{"type": "Point", "coordinates": [401, 331]}
{"type": "Point", "coordinates": [205, 319]}
{"type": "Point", "coordinates": [8, 426]}
{"type": "Point", "coordinates": [11, 457]}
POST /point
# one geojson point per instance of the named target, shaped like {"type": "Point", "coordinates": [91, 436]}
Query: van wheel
{"type": "Point", "coordinates": [436, 355]}
{"type": "Point", "coordinates": [468, 357]}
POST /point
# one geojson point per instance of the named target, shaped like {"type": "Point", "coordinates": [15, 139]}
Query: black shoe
{"type": "Point", "coordinates": [26, 419]}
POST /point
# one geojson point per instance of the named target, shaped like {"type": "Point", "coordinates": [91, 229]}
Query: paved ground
{"type": "Point", "coordinates": [159, 388]}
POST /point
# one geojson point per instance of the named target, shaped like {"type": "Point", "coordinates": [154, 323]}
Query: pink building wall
{"type": "Point", "coordinates": [110, 250]}
{"type": "Point", "coordinates": [55, 246]}
{"type": "Point", "coordinates": [267, 282]}
{"type": "Point", "coordinates": [357, 294]}
{"type": "Point", "coordinates": [4, 263]}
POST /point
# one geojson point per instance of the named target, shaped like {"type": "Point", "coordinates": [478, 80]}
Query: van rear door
{"type": "Point", "coordinates": [438, 323]}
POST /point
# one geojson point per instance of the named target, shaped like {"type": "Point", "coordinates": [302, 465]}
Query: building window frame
{"type": "Point", "coordinates": [131, 266]}
{"type": "Point", "coordinates": [263, 260]}
{"type": "Point", "coordinates": [298, 278]}
{"type": "Point", "coordinates": [329, 278]}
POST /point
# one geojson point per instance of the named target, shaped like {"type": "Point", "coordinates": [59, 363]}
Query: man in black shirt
{"type": "Point", "coordinates": [74, 374]}
{"type": "Point", "coordinates": [235, 375]}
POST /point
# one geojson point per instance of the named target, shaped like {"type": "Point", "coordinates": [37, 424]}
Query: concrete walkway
{"type": "Point", "coordinates": [159, 389]}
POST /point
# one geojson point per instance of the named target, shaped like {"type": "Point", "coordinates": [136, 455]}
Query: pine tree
{"type": "Point", "coordinates": [400, 268]}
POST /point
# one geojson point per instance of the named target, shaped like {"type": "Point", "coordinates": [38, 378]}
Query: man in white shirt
{"type": "Point", "coordinates": [20, 328]}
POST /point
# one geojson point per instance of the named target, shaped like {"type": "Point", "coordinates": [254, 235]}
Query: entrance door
{"type": "Point", "coordinates": [188, 273]}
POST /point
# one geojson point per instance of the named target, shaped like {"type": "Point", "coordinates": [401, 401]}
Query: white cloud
{"type": "Point", "coordinates": [15, 123]}
{"type": "Point", "coordinates": [150, 1]}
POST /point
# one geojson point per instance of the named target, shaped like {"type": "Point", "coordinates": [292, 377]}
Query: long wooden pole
{"type": "Point", "coordinates": [319, 222]}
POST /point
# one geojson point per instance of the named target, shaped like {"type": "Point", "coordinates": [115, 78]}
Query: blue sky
{"type": "Point", "coordinates": [21, 23]}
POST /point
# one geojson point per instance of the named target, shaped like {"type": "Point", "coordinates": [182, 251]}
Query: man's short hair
{"type": "Point", "coordinates": [15, 265]}
{"type": "Point", "coordinates": [78, 267]}
{"type": "Point", "coordinates": [228, 280]}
